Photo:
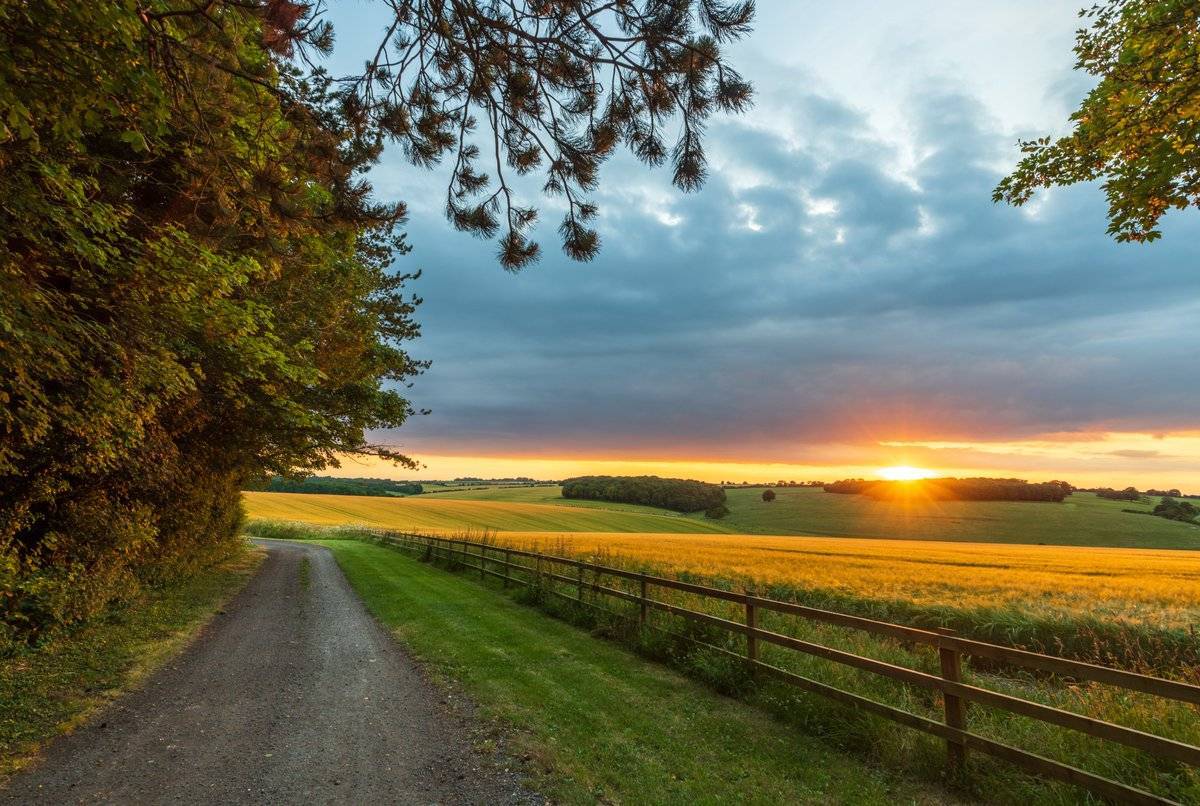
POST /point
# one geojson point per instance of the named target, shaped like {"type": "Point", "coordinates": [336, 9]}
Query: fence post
{"type": "Point", "coordinates": [482, 561]}
{"type": "Point", "coordinates": [955, 708]}
{"type": "Point", "coordinates": [751, 638]}
{"type": "Point", "coordinates": [579, 568]}
{"type": "Point", "coordinates": [645, 604]}
{"type": "Point", "coordinates": [507, 563]}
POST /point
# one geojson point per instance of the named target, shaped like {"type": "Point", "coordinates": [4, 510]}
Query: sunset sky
{"type": "Point", "coordinates": [841, 296]}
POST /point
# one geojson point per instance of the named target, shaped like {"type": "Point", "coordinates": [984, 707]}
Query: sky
{"type": "Point", "coordinates": [842, 295]}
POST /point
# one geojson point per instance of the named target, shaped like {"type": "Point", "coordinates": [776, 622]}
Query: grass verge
{"type": "Point", "coordinates": [596, 722]}
{"type": "Point", "coordinates": [53, 689]}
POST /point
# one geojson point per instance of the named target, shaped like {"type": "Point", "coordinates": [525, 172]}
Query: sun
{"type": "Point", "coordinates": [904, 473]}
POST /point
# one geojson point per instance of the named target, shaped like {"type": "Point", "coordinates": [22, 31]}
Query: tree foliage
{"type": "Point", "coordinates": [1139, 129]}
{"type": "Point", "coordinates": [1174, 510]}
{"type": "Point", "coordinates": [196, 287]}
{"type": "Point", "coordinates": [681, 495]}
{"type": "Point", "coordinates": [1127, 494]}
{"type": "Point", "coordinates": [768, 495]}
{"type": "Point", "coordinates": [506, 89]}
{"type": "Point", "coordinates": [329, 485]}
{"type": "Point", "coordinates": [197, 282]}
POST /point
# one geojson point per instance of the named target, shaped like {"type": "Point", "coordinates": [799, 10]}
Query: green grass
{"type": "Point", "coordinates": [599, 723]}
{"type": "Point", "coordinates": [56, 687]}
{"type": "Point", "coordinates": [493, 647]}
{"type": "Point", "coordinates": [1082, 520]}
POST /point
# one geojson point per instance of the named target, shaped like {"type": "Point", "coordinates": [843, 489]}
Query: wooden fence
{"type": "Point", "coordinates": [516, 566]}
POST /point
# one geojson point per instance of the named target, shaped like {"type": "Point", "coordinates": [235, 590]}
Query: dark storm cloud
{"type": "Point", "coordinates": [813, 292]}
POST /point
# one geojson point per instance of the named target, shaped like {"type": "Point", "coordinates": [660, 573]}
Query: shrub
{"type": "Point", "coordinates": [768, 495]}
{"type": "Point", "coordinates": [1174, 510]}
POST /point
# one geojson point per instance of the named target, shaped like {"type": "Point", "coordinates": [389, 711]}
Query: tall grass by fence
{"type": "Point", "coordinates": [573, 579]}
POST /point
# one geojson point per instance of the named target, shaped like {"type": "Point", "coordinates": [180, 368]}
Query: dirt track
{"type": "Point", "coordinates": [293, 695]}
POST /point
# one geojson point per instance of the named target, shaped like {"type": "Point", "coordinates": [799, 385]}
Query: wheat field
{"type": "Point", "coordinates": [439, 515]}
{"type": "Point", "coordinates": [1159, 588]}
{"type": "Point", "coordinates": [1154, 587]}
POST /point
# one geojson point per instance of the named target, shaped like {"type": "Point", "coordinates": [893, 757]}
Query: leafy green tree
{"type": "Point", "coordinates": [197, 289]}
{"type": "Point", "coordinates": [768, 495]}
{"type": "Point", "coordinates": [1139, 129]}
{"type": "Point", "coordinates": [197, 282]}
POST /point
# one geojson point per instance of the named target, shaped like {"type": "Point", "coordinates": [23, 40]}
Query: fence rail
{"type": "Point", "coordinates": [490, 559]}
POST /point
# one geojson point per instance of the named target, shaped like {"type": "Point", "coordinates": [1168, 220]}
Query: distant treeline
{"type": "Point", "coordinates": [750, 486]}
{"type": "Point", "coordinates": [511, 481]}
{"type": "Point", "coordinates": [948, 489]}
{"type": "Point", "coordinates": [1132, 493]}
{"type": "Point", "coordinates": [681, 495]}
{"type": "Point", "coordinates": [1128, 494]}
{"type": "Point", "coordinates": [335, 486]}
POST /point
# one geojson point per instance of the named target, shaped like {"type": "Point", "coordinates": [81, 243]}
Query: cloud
{"type": "Point", "coordinates": [1136, 454]}
{"type": "Point", "coordinates": [829, 286]}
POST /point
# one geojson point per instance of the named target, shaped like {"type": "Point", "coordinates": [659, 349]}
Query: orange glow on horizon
{"type": "Point", "coordinates": [1114, 459]}
{"type": "Point", "coordinates": [904, 473]}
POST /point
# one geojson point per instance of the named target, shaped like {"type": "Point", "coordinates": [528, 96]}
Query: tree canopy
{"type": "Point", "coordinates": [505, 89]}
{"type": "Point", "coordinates": [1138, 130]}
{"type": "Point", "coordinates": [198, 281]}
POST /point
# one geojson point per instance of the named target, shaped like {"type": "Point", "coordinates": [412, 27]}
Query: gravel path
{"type": "Point", "coordinates": [294, 694]}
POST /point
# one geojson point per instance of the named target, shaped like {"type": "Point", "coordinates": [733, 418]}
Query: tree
{"type": "Point", "coordinates": [716, 512]}
{"type": "Point", "coordinates": [768, 495]}
{"type": "Point", "coordinates": [197, 289]}
{"type": "Point", "coordinates": [555, 86]}
{"type": "Point", "coordinates": [198, 284]}
{"type": "Point", "coordinates": [1138, 129]}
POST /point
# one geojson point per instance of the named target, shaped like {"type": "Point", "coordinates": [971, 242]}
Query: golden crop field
{"type": "Point", "coordinates": [438, 515]}
{"type": "Point", "coordinates": [1153, 587]}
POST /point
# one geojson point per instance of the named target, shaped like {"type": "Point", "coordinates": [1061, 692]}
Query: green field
{"type": "Point", "coordinates": [1082, 520]}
